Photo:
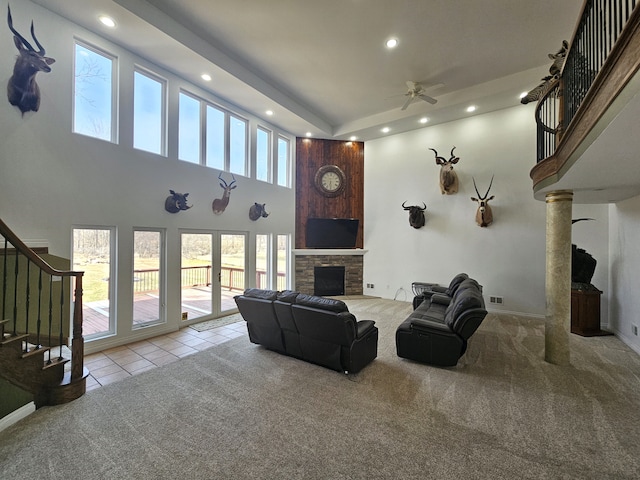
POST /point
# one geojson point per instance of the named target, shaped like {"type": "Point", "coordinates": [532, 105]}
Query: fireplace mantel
{"type": "Point", "coordinates": [329, 251]}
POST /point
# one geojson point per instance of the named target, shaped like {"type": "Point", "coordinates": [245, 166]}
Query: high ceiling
{"type": "Point", "coordinates": [322, 65]}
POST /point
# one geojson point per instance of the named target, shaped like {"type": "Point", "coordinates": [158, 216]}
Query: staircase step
{"type": "Point", "coordinates": [35, 351]}
{"type": "Point", "coordinates": [55, 361]}
{"type": "Point", "coordinates": [13, 338]}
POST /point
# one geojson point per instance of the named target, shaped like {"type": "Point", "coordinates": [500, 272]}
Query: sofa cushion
{"type": "Point", "coordinates": [288, 296]}
{"type": "Point", "coordinates": [322, 303]}
{"type": "Point", "coordinates": [455, 283]}
{"type": "Point", "coordinates": [465, 300]}
{"type": "Point", "coordinates": [260, 293]}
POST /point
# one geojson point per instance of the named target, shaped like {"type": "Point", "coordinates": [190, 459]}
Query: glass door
{"type": "Point", "coordinates": [196, 270]}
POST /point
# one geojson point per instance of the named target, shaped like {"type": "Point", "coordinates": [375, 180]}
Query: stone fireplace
{"type": "Point", "coordinates": [306, 261]}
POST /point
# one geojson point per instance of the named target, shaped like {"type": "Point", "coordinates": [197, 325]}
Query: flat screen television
{"type": "Point", "coordinates": [332, 232]}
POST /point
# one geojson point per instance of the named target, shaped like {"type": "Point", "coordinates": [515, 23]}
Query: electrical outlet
{"type": "Point", "coordinates": [496, 300]}
{"type": "Point", "coordinates": [634, 329]}
{"type": "Point", "coordinates": [369, 285]}
{"type": "Point", "coordinates": [185, 315]}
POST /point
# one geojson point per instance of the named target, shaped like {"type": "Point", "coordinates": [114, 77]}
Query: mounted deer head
{"type": "Point", "coordinates": [448, 177]}
{"type": "Point", "coordinates": [416, 215]}
{"type": "Point", "coordinates": [176, 202]}
{"type": "Point", "coordinates": [484, 215]}
{"type": "Point", "coordinates": [22, 89]}
{"type": "Point", "coordinates": [257, 211]}
{"type": "Point", "coordinates": [219, 204]}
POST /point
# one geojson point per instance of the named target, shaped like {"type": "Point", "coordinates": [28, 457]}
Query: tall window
{"type": "Point", "coordinates": [189, 129]}
{"type": "Point", "coordinates": [148, 277]}
{"type": "Point", "coordinates": [215, 138]}
{"type": "Point", "coordinates": [283, 162]}
{"type": "Point", "coordinates": [263, 154]}
{"type": "Point", "coordinates": [94, 98]}
{"type": "Point", "coordinates": [263, 264]}
{"type": "Point", "coordinates": [93, 251]}
{"type": "Point", "coordinates": [282, 263]}
{"type": "Point", "coordinates": [237, 145]}
{"type": "Point", "coordinates": [148, 113]}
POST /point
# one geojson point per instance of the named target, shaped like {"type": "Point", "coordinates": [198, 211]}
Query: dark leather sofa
{"type": "Point", "coordinates": [316, 329]}
{"type": "Point", "coordinates": [437, 330]}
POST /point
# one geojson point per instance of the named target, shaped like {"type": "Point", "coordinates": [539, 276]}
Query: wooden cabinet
{"type": "Point", "coordinates": [585, 313]}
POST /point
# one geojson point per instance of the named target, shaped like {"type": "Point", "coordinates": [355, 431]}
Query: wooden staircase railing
{"type": "Point", "coordinates": [34, 324]}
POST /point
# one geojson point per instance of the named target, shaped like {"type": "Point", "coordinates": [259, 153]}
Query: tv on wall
{"type": "Point", "coordinates": [332, 232]}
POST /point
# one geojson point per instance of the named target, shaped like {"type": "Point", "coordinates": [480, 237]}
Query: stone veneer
{"type": "Point", "coordinates": [304, 265]}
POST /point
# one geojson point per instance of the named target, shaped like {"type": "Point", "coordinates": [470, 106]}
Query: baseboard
{"type": "Point", "coordinates": [17, 415]}
{"type": "Point", "coordinates": [520, 314]}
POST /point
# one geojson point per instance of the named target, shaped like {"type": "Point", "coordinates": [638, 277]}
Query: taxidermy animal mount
{"type": "Point", "coordinates": [219, 204]}
{"type": "Point", "coordinates": [416, 214]}
{"type": "Point", "coordinates": [556, 67]}
{"type": "Point", "coordinates": [448, 177]}
{"type": "Point", "coordinates": [22, 90]}
{"type": "Point", "coordinates": [176, 202]}
{"type": "Point", "coordinates": [257, 211]}
{"type": "Point", "coordinates": [484, 215]}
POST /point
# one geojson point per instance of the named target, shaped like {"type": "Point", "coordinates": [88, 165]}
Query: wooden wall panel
{"type": "Point", "coordinates": [312, 154]}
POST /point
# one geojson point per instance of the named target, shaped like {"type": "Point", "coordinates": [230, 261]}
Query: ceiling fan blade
{"type": "Point", "coordinates": [428, 99]}
{"type": "Point", "coordinates": [406, 104]}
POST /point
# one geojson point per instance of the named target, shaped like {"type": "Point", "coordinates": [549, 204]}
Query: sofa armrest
{"type": "Point", "coordinates": [440, 298]}
{"type": "Point", "coordinates": [421, 324]}
{"type": "Point", "coordinates": [363, 327]}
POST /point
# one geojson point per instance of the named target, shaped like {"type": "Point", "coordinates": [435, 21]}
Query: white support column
{"type": "Point", "coordinates": [558, 277]}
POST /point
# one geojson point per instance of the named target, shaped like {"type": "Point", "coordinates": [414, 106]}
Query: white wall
{"type": "Point", "coordinates": [52, 179]}
{"type": "Point", "coordinates": [625, 256]}
{"type": "Point", "coordinates": [508, 257]}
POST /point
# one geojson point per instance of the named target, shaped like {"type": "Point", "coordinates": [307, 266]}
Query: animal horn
{"type": "Point", "coordinates": [33, 34]}
{"type": "Point", "coordinates": [234, 180]}
{"type": "Point", "coordinates": [222, 179]}
{"type": "Point", "coordinates": [425, 206]}
{"type": "Point", "coordinates": [488, 189]}
{"type": "Point", "coordinates": [406, 208]}
{"type": "Point", "coordinates": [476, 187]}
{"type": "Point", "coordinates": [452, 155]}
{"type": "Point", "coordinates": [437, 157]}
{"type": "Point", "coordinates": [15, 32]}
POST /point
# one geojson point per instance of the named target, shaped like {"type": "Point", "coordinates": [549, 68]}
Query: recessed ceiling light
{"type": "Point", "coordinates": [353, 138]}
{"type": "Point", "coordinates": [309, 134]}
{"type": "Point", "coordinates": [269, 112]}
{"type": "Point", "coordinates": [385, 130]}
{"type": "Point", "coordinates": [206, 77]}
{"type": "Point", "coordinates": [471, 108]}
{"type": "Point", "coordinates": [107, 21]}
{"type": "Point", "coordinates": [424, 120]}
{"type": "Point", "coordinates": [392, 43]}
{"type": "Point", "coordinates": [524, 94]}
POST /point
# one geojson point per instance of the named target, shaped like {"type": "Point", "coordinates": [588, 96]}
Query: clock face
{"type": "Point", "coordinates": [330, 180]}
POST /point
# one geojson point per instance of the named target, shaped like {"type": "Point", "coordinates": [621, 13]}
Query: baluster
{"type": "Point", "coordinates": [4, 286]}
{"type": "Point", "coordinates": [26, 305]}
{"type": "Point", "coordinates": [15, 293]}
{"type": "Point", "coordinates": [39, 321]}
{"type": "Point", "coordinates": [61, 314]}
{"type": "Point", "coordinates": [50, 315]}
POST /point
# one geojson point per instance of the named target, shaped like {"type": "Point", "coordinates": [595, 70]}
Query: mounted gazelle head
{"type": "Point", "coordinates": [416, 214]}
{"type": "Point", "coordinates": [22, 89]}
{"type": "Point", "coordinates": [484, 215]}
{"type": "Point", "coordinates": [448, 177]}
{"type": "Point", "coordinates": [219, 204]}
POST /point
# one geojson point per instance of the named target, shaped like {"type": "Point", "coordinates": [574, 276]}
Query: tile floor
{"type": "Point", "coordinates": [120, 362]}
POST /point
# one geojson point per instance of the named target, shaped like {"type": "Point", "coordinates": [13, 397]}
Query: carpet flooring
{"type": "Point", "coordinates": [239, 411]}
{"type": "Point", "coordinates": [216, 322]}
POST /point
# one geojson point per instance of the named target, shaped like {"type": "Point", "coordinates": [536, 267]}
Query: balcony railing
{"type": "Point", "coordinates": [601, 26]}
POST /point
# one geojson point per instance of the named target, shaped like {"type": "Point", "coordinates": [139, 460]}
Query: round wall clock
{"type": "Point", "coordinates": [330, 180]}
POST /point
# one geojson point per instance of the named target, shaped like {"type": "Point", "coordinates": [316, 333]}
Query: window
{"type": "Point", "coordinates": [148, 113]}
{"type": "Point", "coordinates": [189, 129]}
{"type": "Point", "coordinates": [94, 98]}
{"type": "Point", "coordinates": [283, 162]}
{"type": "Point", "coordinates": [263, 262]}
{"type": "Point", "coordinates": [215, 138]}
{"type": "Point", "coordinates": [237, 145]}
{"type": "Point", "coordinates": [195, 275]}
{"type": "Point", "coordinates": [148, 277]}
{"type": "Point", "coordinates": [282, 263]}
{"type": "Point", "coordinates": [93, 253]}
{"type": "Point", "coordinates": [263, 154]}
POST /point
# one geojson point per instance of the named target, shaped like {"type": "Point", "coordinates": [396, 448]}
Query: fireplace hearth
{"type": "Point", "coordinates": [350, 259]}
{"type": "Point", "coordinates": [328, 281]}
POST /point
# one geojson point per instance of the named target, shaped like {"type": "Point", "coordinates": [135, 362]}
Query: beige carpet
{"type": "Point", "coordinates": [216, 322]}
{"type": "Point", "coordinates": [240, 411]}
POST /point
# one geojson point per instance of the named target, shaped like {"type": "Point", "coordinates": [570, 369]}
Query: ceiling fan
{"type": "Point", "coordinates": [417, 90]}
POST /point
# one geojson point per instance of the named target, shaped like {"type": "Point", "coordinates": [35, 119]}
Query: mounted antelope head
{"type": "Point", "coordinates": [22, 89]}
{"type": "Point", "coordinates": [219, 204]}
{"type": "Point", "coordinates": [484, 215]}
{"type": "Point", "coordinates": [257, 211]}
{"type": "Point", "coordinates": [416, 215]}
{"type": "Point", "coordinates": [448, 177]}
{"type": "Point", "coordinates": [176, 202]}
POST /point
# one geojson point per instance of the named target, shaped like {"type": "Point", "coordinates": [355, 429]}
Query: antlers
{"type": "Point", "coordinates": [225, 183]}
{"type": "Point", "coordinates": [442, 160]}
